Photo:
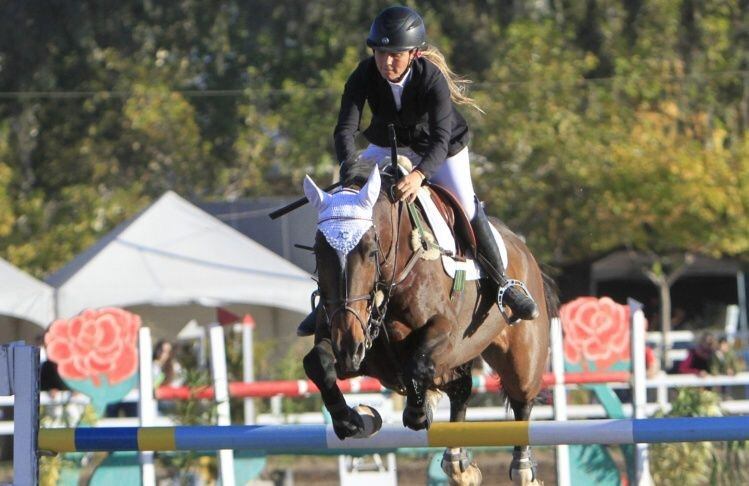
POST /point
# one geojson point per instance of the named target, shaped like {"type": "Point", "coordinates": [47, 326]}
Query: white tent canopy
{"type": "Point", "coordinates": [26, 307]}
{"type": "Point", "coordinates": [174, 254]}
{"type": "Point", "coordinates": [24, 297]}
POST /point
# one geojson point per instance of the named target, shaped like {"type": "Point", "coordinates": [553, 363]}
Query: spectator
{"type": "Point", "coordinates": [725, 361]}
{"type": "Point", "coordinates": [166, 372]}
{"type": "Point", "coordinates": [64, 411]}
{"type": "Point", "coordinates": [699, 358]}
{"type": "Point", "coordinates": [652, 365]}
{"type": "Point", "coordinates": [49, 379]}
{"type": "Point", "coordinates": [166, 369]}
{"type": "Point", "coordinates": [679, 319]}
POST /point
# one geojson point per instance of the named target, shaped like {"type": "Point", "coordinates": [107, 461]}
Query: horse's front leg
{"type": "Point", "coordinates": [428, 341]}
{"type": "Point", "coordinates": [319, 364]}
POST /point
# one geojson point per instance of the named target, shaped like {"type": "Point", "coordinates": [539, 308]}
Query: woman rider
{"type": "Point", "coordinates": [409, 84]}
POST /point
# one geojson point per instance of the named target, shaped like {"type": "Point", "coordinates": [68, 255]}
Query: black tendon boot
{"type": "Point", "coordinates": [308, 324]}
{"type": "Point", "coordinates": [510, 292]}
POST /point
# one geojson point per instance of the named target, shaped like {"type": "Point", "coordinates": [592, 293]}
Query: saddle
{"type": "Point", "coordinates": [451, 233]}
{"type": "Point", "coordinates": [452, 212]}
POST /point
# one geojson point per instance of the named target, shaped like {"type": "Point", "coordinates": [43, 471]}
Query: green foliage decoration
{"type": "Point", "coordinates": [697, 463]}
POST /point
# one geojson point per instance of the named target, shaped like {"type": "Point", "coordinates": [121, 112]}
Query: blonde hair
{"type": "Point", "coordinates": [458, 85]}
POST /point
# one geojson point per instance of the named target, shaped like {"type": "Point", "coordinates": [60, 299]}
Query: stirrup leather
{"type": "Point", "coordinates": [501, 297]}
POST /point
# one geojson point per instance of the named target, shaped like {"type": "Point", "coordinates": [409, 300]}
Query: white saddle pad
{"type": "Point", "coordinates": [444, 237]}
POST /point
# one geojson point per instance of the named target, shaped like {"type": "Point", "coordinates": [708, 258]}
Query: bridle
{"type": "Point", "coordinates": [382, 287]}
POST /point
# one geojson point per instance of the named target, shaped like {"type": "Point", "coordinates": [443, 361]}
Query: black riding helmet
{"type": "Point", "coordinates": [397, 29]}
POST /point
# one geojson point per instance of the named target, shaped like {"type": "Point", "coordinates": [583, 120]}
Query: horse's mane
{"type": "Point", "coordinates": [354, 174]}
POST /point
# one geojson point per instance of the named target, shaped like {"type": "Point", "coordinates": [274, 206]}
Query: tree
{"type": "Point", "coordinates": [608, 122]}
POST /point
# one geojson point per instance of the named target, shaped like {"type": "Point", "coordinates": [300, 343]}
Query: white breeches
{"type": "Point", "coordinates": [454, 174]}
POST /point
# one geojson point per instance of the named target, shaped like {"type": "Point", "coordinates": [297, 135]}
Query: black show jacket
{"type": "Point", "coordinates": [428, 121]}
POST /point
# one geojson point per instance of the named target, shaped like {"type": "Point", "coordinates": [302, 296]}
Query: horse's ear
{"type": "Point", "coordinates": [371, 191]}
{"type": "Point", "coordinates": [316, 196]}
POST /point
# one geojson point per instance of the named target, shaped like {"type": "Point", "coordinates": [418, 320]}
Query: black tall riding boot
{"type": "Point", "coordinates": [509, 292]}
{"type": "Point", "coordinates": [308, 324]}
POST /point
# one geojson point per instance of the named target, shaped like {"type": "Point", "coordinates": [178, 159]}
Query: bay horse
{"type": "Point", "coordinates": [387, 314]}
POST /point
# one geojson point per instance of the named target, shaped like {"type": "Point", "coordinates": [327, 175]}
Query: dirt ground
{"type": "Point", "coordinates": [412, 470]}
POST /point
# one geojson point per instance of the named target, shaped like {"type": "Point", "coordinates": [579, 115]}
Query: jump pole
{"type": "Point", "coordinates": [296, 388]}
{"type": "Point", "coordinates": [311, 439]}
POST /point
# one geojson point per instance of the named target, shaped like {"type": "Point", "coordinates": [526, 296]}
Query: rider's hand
{"type": "Point", "coordinates": [408, 187]}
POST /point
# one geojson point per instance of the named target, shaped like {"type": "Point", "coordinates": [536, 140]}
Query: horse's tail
{"type": "Point", "coordinates": [551, 294]}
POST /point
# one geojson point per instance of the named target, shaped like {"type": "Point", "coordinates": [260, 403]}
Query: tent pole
{"type": "Point", "coordinates": [56, 304]}
{"type": "Point", "coordinates": [741, 290]}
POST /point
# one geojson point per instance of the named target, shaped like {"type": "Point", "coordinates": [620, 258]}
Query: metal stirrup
{"type": "Point", "coordinates": [501, 296]}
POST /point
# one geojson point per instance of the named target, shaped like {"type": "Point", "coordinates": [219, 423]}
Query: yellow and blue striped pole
{"type": "Point", "coordinates": [311, 439]}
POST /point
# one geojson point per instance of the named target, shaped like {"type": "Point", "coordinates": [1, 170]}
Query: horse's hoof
{"type": "Point", "coordinates": [524, 475]}
{"type": "Point", "coordinates": [348, 424]}
{"type": "Point", "coordinates": [417, 418]}
{"type": "Point", "coordinates": [371, 420]}
{"type": "Point", "coordinates": [461, 474]}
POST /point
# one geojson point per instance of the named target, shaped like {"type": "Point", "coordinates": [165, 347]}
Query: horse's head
{"type": "Point", "coordinates": [348, 264]}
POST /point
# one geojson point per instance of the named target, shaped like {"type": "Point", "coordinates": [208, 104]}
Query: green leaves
{"type": "Point", "coordinates": [167, 141]}
{"type": "Point", "coordinates": [607, 123]}
{"type": "Point", "coordinates": [650, 158]}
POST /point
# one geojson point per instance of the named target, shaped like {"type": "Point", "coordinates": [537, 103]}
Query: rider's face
{"type": "Point", "coordinates": [392, 65]}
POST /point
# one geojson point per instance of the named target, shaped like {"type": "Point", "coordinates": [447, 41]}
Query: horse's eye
{"type": "Point", "coordinates": [373, 254]}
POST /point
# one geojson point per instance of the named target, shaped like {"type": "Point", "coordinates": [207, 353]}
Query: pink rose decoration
{"type": "Point", "coordinates": [595, 330]}
{"type": "Point", "coordinates": [95, 343]}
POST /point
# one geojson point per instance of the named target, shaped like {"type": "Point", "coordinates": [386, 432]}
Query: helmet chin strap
{"type": "Point", "coordinates": [411, 59]}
